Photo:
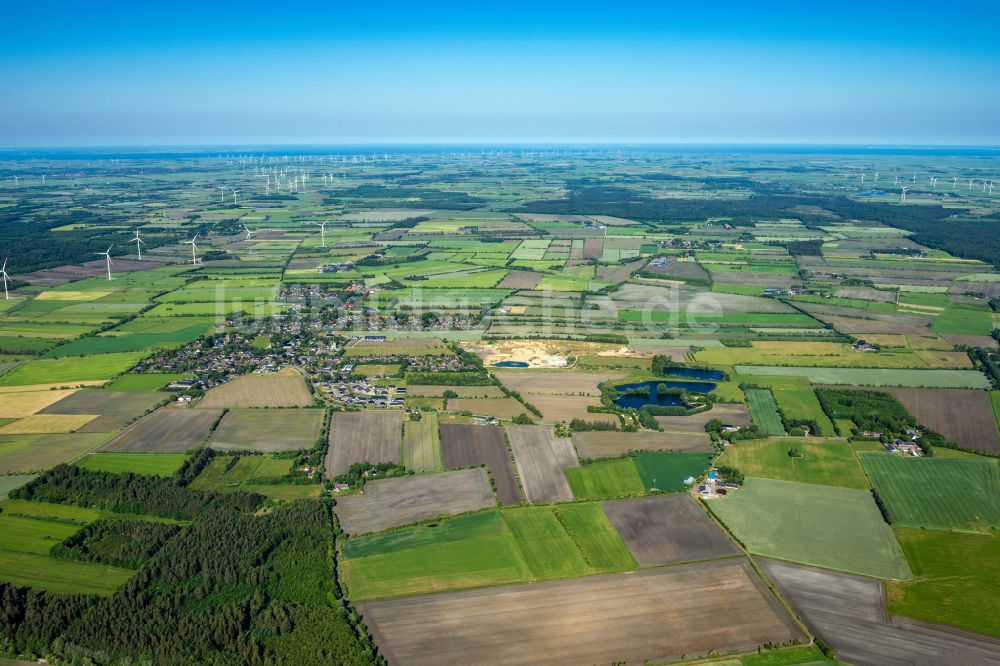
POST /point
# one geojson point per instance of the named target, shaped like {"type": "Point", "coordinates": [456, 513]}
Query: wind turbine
{"type": "Point", "coordinates": [107, 255]}
{"type": "Point", "coordinates": [862, 178]}
{"type": "Point", "coordinates": [896, 182]}
{"type": "Point", "coordinates": [322, 232]}
{"type": "Point", "coordinates": [954, 184]}
{"type": "Point", "coordinates": [249, 236]}
{"type": "Point", "coordinates": [971, 181]}
{"type": "Point", "coordinates": [138, 243]}
{"type": "Point", "coordinates": [3, 271]}
{"type": "Point", "coordinates": [222, 192]}
{"type": "Point", "coordinates": [235, 192]}
{"type": "Point", "coordinates": [903, 196]}
{"type": "Point", "coordinates": [876, 176]}
{"type": "Point", "coordinates": [194, 257]}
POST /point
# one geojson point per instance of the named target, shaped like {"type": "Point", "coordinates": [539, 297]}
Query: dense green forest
{"type": "Point", "coordinates": [239, 585]}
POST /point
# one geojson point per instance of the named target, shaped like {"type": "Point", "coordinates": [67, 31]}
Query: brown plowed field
{"type": "Point", "coordinates": [610, 444]}
{"type": "Point", "coordinates": [964, 416]}
{"type": "Point", "coordinates": [372, 436]}
{"type": "Point", "coordinates": [667, 529]}
{"type": "Point", "coordinates": [519, 280]}
{"type": "Point", "coordinates": [848, 613]}
{"type": "Point", "coordinates": [653, 615]}
{"type": "Point", "coordinates": [409, 499]}
{"type": "Point", "coordinates": [464, 445]}
{"type": "Point", "coordinates": [555, 383]}
{"type": "Point", "coordinates": [541, 458]}
{"type": "Point", "coordinates": [167, 430]}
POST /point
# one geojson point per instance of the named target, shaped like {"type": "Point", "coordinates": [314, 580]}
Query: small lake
{"type": "Point", "coordinates": [653, 398]}
{"type": "Point", "coordinates": [694, 373]}
{"type": "Point", "coordinates": [510, 364]}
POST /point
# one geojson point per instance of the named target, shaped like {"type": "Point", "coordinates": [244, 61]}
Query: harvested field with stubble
{"type": "Point", "coordinates": [372, 436]}
{"type": "Point", "coordinates": [38, 424]}
{"type": "Point", "coordinates": [848, 614]}
{"type": "Point", "coordinates": [555, 383]}
{"type": "Point", "coordinates": [167, 430]}
{"type": "Point", "coordinates": [464, 445]}
{"type": "Point", "coordinates": [409, 499]}
{"type": "Point", "coordinates": [114, 408]}
{"type": "Point", "coordinates": [541, 458]}
{"type": "Point", "coordinates": [268, 430]}
{"type": "Point", "coordinates": [556, 408]}
{"type": "Point", "coordinates": [25, 403]}
{"type": "Point", "coordinates": [653, 615]}
{"type": "Point", "coordinates": [611, 444]}
{"type": "Point", "coordinates": [285, 388]}
{"type": "Point", "coordinates": [962, 415]}
{"type": "Point", "coordinates": [667, 529]}
{"type": "Point", "coordinates": [502, 408]}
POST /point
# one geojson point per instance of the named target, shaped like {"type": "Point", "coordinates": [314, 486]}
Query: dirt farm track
{"type": "Point", "coordinates": [649, 615]}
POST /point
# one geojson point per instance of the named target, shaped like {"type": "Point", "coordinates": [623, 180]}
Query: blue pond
{"type": "Point", "coordinates": [510, 364]}
{"type": "Point", "coordinates": [654, 398]}
{"type": "Point", "coordinates": [694, 373]}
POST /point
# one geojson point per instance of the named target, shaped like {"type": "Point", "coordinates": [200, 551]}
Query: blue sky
{"type": "Point", "coordinates": [115, 73]}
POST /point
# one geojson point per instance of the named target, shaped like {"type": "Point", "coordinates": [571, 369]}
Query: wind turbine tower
{"type": "Point", "coordinates": [107, 255]}
{"type": "Point", "coordinates": [138, 243]}
{"type": "Point", "coordinates": [249, 236]}
{"type": "Point", "coordinates": [903, 195]}
{"type": "Point", "coordinates": [222, 193]}
{"type": "Point", "coordinates": [194, 257]}
{"type": "Point", "coordinates": [322, 232]}
{"type": "Point", "coordinates": [3, 272]}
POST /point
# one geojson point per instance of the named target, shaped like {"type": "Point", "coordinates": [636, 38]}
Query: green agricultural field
{"type": "Point", "coordinates": [469, 280]}
{"type": "Point", "coordinates": [995, 403]}
{"type": "Point", "coordinates": [32, 535]}
{"type": "Point", "coordinates": [59, 576]}
{"type": "Point", "coordinates": [258, 309]}
{"type": "Point", "coordinates": [943, 378]}
{"type": "Point", "coordinates": [602, 547]}
{"type": "Point", "coordinates": [127, 342]}
{"type": "Point", "coordinates": [69, 512]}
{"type": "Point", "coordinates": [549, 551]}
{"type": "Point", "coordinates": [822, 526]}
{"type": "Point", "coordinates": [660, 470]}
{"type": "Point", "coordinates": [9, 483]}
{"type": "Point", "coordinates": [796, 400]}
{"type": "Point", "coordinates": [473, 554]}
{"type": "Point", "coordinates": [70, 370]}
{"type": "Point", "coordinates": [605, 479]}
{"type": "Point", "coordinates": [940, 493]}
{"type": "Point", "coordinates": [422, 443]}
{"type": "Point", "coordinates": [829, 462]}
{"type": "Point", "coordinates": [955, 579]}
{"type": "Point", "coordinates": [222, 474]}
{"type": "Point", "coordinates": [764, 411]}
{"type": "Point", "coordinates": [157, 464]}
{"type": "Point", "coordinates": [796, 656]}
